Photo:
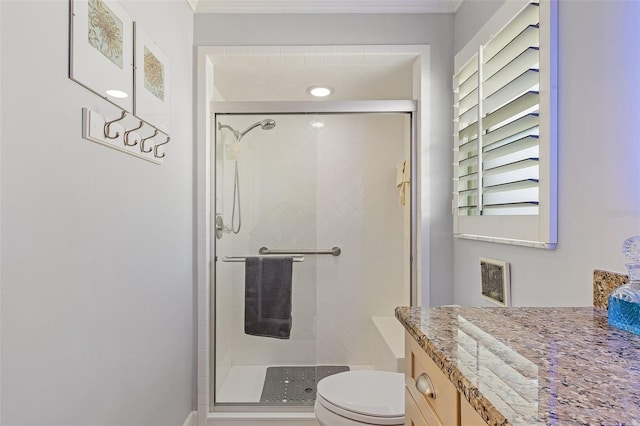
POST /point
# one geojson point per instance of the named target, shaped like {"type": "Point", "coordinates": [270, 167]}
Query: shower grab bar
{"type": "Point", "coordinates": [243, 258]}
{"type": "Point", "coordinates": [334, 251]}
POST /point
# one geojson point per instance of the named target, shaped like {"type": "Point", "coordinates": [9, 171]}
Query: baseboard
{"type": "Point", "coordinates": [191, 420]}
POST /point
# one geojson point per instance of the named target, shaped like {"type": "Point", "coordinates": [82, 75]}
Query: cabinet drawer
{"type": "Point", "coordinates": [444, 404]}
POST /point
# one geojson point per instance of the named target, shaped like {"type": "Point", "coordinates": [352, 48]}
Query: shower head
{"type": "Point", "coordinates": [267, 124]}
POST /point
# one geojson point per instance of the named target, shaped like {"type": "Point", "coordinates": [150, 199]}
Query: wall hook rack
{"type": "Point", "coordinates": [107, 126]}
{"type": "Point", "coordinates": [128, 132]}
{"type": "Point", "coordinates": [142, 141]}
{"type": "Point", "coordinates": [124, 133]}
{"type": "Point", "coordinates": [158, 145]}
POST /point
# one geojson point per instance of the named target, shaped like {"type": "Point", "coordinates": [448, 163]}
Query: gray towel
{"type": "Point", "coordinates": [267, 296]}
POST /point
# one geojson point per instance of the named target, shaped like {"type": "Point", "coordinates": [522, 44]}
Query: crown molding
{"type": "Point", "coordinates": [325, 6]}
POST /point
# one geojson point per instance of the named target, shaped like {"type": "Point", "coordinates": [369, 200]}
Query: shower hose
{"type": "Point", "coordinates": [236, 201]}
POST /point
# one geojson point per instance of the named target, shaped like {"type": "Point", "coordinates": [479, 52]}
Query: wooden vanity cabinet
{"type": "Point", "coordinates": [431, 398]}
{"type": "Point", "coordinates": [412, 414]}
{"type": "Point", "coordinates": [468, 415]}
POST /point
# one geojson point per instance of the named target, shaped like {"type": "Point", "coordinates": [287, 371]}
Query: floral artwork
{"type": "Point", "coordinates": [152, 89]}
{"type": "Point", "coordinates": [153, 74]}
{"type": "Point", "coordinates": [105, 31]}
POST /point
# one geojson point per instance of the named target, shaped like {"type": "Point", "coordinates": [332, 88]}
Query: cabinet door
{"type": "Point", "coordinates": [443, 405]}
{"type": "Point", "coordinates": [468, 415]}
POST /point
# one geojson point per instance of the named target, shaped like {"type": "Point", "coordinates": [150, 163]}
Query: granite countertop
{"type": "Point", "coordinates": [527, 366]}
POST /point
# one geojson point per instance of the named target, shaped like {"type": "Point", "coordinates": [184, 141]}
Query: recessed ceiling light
{"type": "Point", "coordinates": [320, 91]}
{"type": "Point", "coordinates": [116, 93]}
{"type": "Point", "coordinates": [317, 124]}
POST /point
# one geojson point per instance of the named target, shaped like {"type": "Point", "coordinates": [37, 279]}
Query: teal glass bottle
{"type": "Point", "coordinates": [624, 302]}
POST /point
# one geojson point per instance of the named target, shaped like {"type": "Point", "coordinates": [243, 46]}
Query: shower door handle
{"type": "Point", "coordinates": [220, 228]}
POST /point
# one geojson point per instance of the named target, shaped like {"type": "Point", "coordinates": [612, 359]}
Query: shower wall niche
{"type": "Point", "coordinates": [312, 182]}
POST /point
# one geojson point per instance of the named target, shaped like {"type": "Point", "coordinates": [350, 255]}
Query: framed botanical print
{"type": "Point", "coordinates": [101, 50]}
{"type": "Point", "coordinates": [151, 81]}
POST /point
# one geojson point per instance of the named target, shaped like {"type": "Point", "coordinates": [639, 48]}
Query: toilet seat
{"type": "Point", "coordinates": [323, 407]}
{"type": "Point", "coordinates": [365, 396]}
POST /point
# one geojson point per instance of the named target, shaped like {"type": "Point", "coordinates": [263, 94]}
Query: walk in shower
{"type": "Point", "coordinates": [327, 189]}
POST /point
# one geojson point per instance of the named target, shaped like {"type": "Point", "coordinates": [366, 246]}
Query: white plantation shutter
{"type": "Point", "coordinates": [504, 139]}
{"type": "Point", "coordinates": [467, 170]}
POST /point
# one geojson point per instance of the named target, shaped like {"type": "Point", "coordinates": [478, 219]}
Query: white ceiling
{"type": "Point", "coordinates": [283, 73]}
{"type": "Point", "coordinates": [325, 6]}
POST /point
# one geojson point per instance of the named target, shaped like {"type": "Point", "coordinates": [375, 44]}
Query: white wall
{"type": "Point", "coordinates": [97, 265]}
{"type": "Point", "coordinates": [470, 17]}
{"type": "Point", "coordinates": [302, 188]}
{"type": "Point", "coordinates": [382, 29]}
{"type": "Point", "coordinates": [599, 201]}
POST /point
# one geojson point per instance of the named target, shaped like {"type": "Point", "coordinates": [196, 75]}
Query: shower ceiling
{"type": "Point", "coordinates": [284, 73]}
{"type": "Point", "coordinates": [325, 6]}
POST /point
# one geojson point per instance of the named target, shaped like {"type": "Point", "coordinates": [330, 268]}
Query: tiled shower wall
{"type": "Point", "coordinates": [307, 188]}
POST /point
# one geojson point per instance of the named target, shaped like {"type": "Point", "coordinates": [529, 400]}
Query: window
{"type": "Point", "coordinates": [505, 130]}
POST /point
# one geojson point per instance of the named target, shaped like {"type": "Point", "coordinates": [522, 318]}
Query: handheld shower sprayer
{"type": "Point", "coordinates": [266, 124]}
{"type": "Point", "coordinates": [236, 134]}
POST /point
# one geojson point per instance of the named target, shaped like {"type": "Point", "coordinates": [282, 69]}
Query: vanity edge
{"type": "Point", "coordinates": [479, 402]}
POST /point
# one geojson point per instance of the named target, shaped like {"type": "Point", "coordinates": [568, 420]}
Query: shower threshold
{"type": "Point", "coordinates": [245, 384]}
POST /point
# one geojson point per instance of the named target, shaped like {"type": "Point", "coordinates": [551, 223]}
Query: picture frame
{"type": "Point", "coordinates": [495, 281]}
{"type": "Point", "coordinates": [101, 50]}
{"type": "Point", "coordinates": [151, 81]}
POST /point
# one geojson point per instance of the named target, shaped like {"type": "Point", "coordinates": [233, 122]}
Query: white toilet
{"type": "Point", "coordinates": [361, 397]}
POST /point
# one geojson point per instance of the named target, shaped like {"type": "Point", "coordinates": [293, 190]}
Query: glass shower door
{"type": "Point", "coordinates": [275, 198]}
{"type": "Point", "coordinates": [312, 182]}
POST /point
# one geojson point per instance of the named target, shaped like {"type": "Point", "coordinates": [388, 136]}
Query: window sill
{"type": "Point", "coordinates": [523, 243]}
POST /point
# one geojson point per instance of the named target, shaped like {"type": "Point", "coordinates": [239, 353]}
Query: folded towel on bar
{"type": "Point", "coordinates": [267, 296]}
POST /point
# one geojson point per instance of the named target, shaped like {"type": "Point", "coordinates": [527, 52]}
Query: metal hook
{"type": "Point", "coordinates": [155, 148]}
{"type": "Point", "coordinates": [142, 141]}
{"type": "Point", "coordinates": [107, 126]}
{"type": "Point", "coordinates": [128, 132]}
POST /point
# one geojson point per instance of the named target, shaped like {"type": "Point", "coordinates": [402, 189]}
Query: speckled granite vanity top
{"type": "Point", "coordinates": [527, 366]}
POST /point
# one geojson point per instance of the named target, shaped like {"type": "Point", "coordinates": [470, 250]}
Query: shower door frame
{"type": "Point", "coordinates": [302, 108]}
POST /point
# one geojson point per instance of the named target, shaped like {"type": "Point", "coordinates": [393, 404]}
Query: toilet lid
{"type": "Point", "coordinates": [368, 392]}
